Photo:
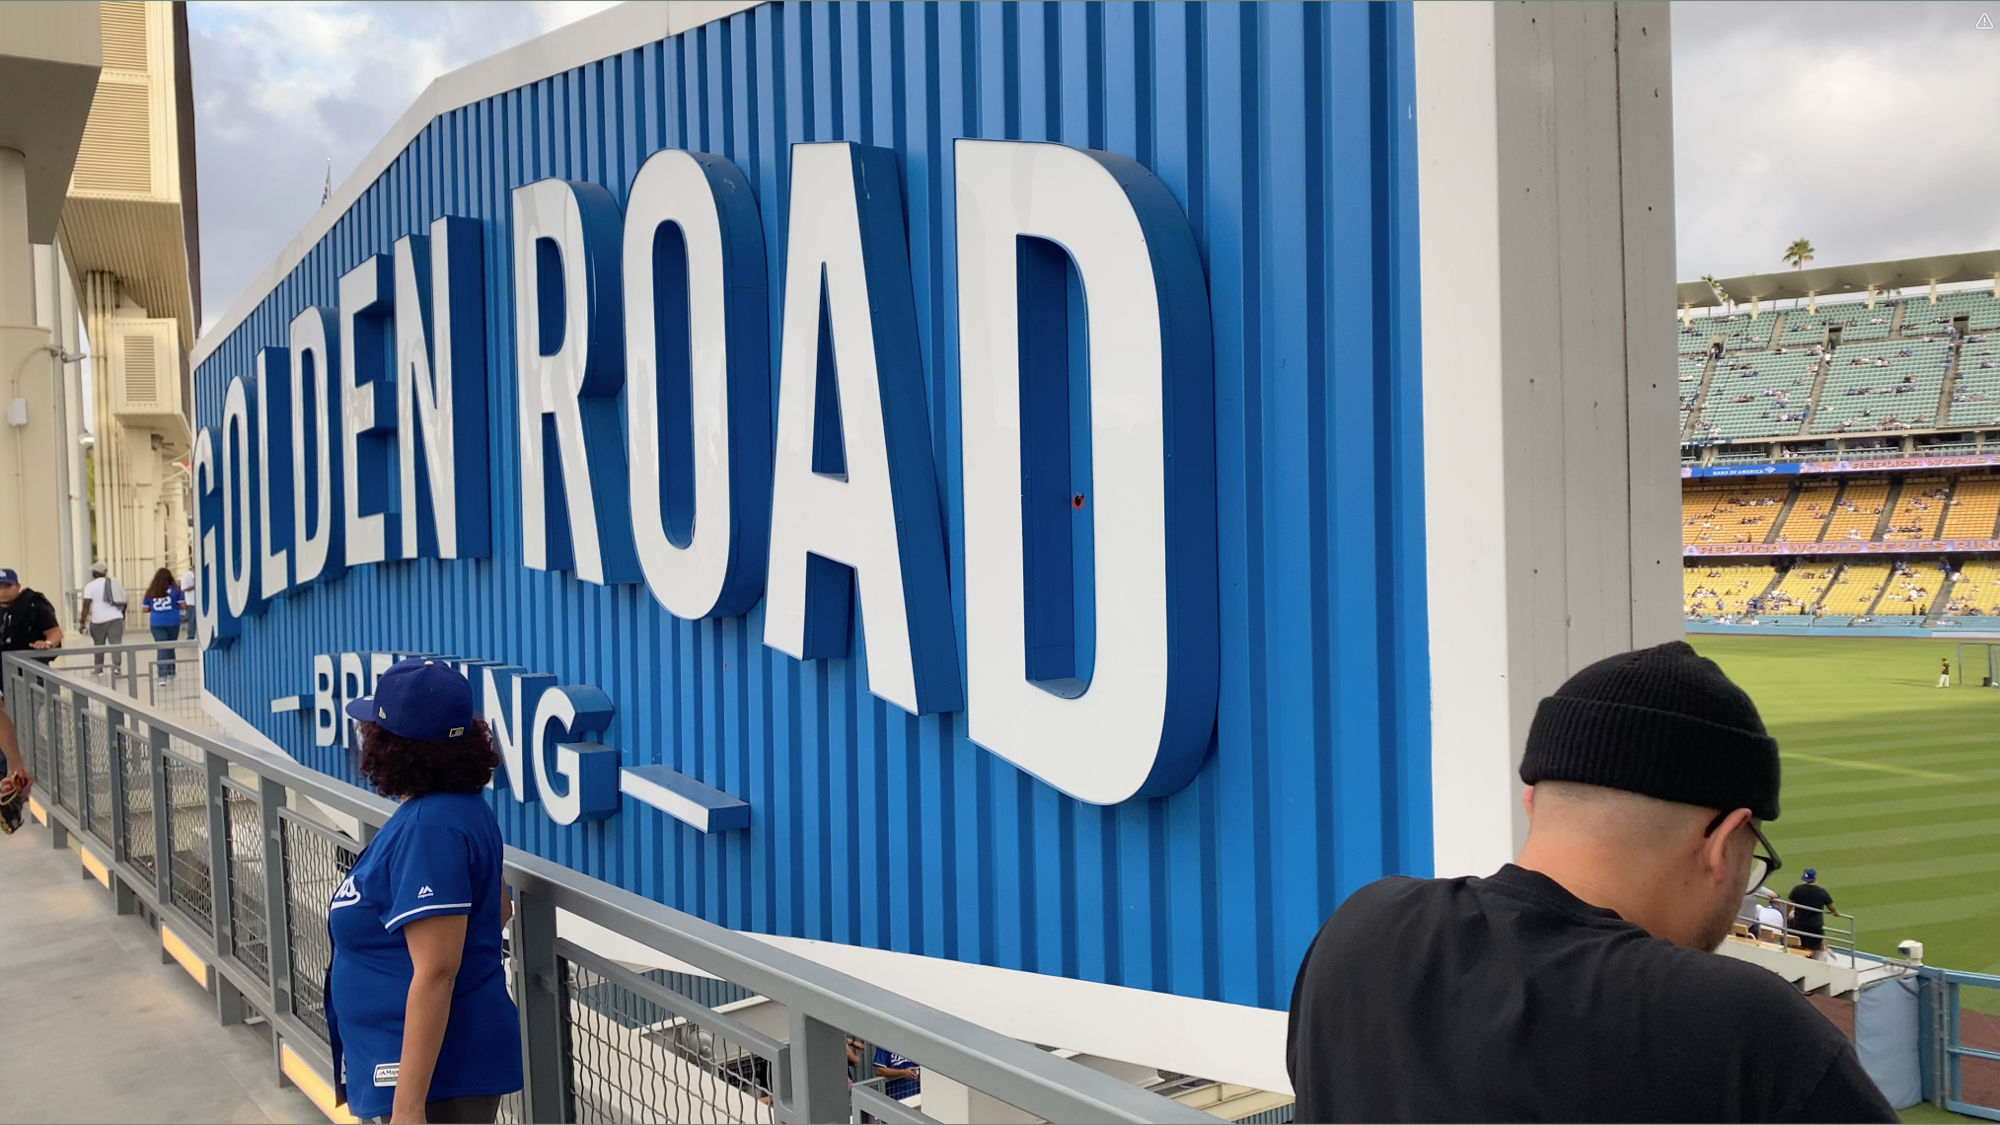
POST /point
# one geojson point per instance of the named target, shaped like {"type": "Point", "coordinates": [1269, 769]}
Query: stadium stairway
{"type": "Point", "coordinates": [1700, 397]}
{"type": "Point", "coordinates": [1818, 386]}
{"type": "Point", "coordinates": [1950, 380]}
{"type": "Point", "coordinates": [1784, 513]}
{"type": "Point", "coordinates": [1941, 599]}
{"type": "Point", "coordinates": [1888, 512]}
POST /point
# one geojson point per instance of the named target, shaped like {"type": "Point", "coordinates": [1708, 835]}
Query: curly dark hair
{"type": "Point", "coordinates": [407, 767]}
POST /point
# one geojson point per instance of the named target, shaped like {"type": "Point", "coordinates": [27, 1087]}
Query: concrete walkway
{"type": "Point", "coordinates": [93, 1028]}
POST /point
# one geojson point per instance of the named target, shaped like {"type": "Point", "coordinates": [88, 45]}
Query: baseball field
{"type": "Point", "coordinates": [1891, 785]}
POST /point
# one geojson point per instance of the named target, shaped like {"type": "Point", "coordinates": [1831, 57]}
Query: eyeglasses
{"type": "Point", "coordinates": [1763, 864]}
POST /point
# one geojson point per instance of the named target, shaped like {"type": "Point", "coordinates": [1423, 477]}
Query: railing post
{"type": "Point", "coordinates": [163, 817]}
{"type": "Point", "coordinates": [79, 763]}
{"type": "Point", "coordinates": [219, 899]}
{"type": "Point", "coordinates": [132, 675]}
{"type": "Point", "coordinates": [277, 900]}
{"type": "Point", "coordinates": [818, 1071]}
{"type": "Point", "coordinates": [114, 754]}
{"type": "Point", "coordinates": [544, 1062]}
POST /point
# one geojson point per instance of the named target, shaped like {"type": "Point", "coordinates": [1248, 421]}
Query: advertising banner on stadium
{"type": "Point", "coordinates": [1844, 547]}
{"type": "Point", "coordinates": [876, 502]}
{"type": "Point", "coordinates": [1878, 465]}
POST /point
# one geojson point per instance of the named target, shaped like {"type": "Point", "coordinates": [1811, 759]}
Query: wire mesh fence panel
{"type": "Point", "coordinates": [188, 875]}
{"type": "Point", "coordinates": [249, 918]}
{"type": "Point", "coordinates": [135, 759]}
{"type": "Point", "coordinates": [316, 861]}
{"type": "Point", "coordinates": [37, 702]}
{"type": "Point", "coordinates": [632, 1061]}
{"type": "Point", "coordinates": [63, 720]}
{"type": "Point", "coordinates": [97, 765]}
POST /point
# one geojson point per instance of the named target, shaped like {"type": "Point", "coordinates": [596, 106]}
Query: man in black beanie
{"type": "Point", "coordinates": [1579, 983]}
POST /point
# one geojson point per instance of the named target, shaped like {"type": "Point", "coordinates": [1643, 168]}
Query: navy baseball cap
{"type": "Point", "coordinates": [8, 577]}
{"type": "Point", "coordinates": [1808, 875]}
{"type": "Point", "coordinates": [420, 699]}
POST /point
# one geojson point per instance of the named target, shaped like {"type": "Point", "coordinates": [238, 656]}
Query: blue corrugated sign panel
{"type": "Point", "coordinates": [1283, 133]}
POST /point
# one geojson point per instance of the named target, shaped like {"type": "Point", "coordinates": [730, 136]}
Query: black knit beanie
{"type": "Point", "coordinates": [1663, 722]}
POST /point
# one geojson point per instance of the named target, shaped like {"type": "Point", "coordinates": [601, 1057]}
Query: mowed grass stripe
{"type": "Point", "coordinates": [1951, 799]}
{"type": "Point", "coordinates": [1892, 786]}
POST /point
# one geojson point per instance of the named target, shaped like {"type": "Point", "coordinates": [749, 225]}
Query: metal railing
{"type": "Point", "coordinates": [1836, 936]}
{"type": "Point", "coordinates": [1959, 1041]}
{"type": "Point", "coordinates": [230, 846]}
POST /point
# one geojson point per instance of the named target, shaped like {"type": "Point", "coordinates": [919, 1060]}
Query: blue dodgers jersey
{"type": "Point", "coordinates": [439, 855]}
{"type": "Point", "coordinates": [166, 609]}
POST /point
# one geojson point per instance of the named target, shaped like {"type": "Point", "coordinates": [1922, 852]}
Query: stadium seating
{"type": "Point", "coordinates": [1810, 512]}
{"type": "Point", "coordinates": [1758, 394]}
{"type": "Point", "coordinates": [1801, 588]}
{"type": "Point", "coordinates": [1919, 509]}
{"type": "Point", "coordinates": [1731, 513]}
{"type": "Point", "coordinates": [1873, 387]}
{"type": "Point", "coordinates": [1975, 394]}
{"type": "Point", "coordinates": [1856, 321]}
{"type": "Point", "coordinates": [1909, 589]}
{"type": "Point", "coordinates": [1854, 591]}
{"type": "Point", "coordinates": [1920, 317]}
{"type": "Point", "coordinates": [1742, 330]}
{"type": "Point", "coordinates": [1975, 508]}
{"type": "Point", "coordinates": [1711, 590]}
{"type": "Point", "coordinates": [1858, 510]}
{"type": "Point", "coordinates": [1976, 590]}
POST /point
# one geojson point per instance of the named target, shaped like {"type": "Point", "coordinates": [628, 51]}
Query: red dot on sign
{"type": "Point", "coordinates": [1077, 501]}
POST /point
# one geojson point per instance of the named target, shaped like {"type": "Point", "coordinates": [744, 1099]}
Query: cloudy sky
{"type": "Point", "coordinates": [282, 88]}
{"type": "Point", "coordinates": [1868, 128]}
{"type": "Point", "coordinates": [1865, 127]}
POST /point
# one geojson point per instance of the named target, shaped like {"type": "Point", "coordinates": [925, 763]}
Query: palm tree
{"type": "Point", "coordinates": [1799, 252]}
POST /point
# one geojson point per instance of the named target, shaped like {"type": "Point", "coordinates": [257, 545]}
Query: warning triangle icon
{"type": "Point", "coordinates": [1985, 22]}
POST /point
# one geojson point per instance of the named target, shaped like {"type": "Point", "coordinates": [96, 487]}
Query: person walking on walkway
{"type": "Point", "coordinates": [1580, 983]}
{"type": "Point", "coordinates": [416, 998]}
{"type": "Point", "coordinates": [103, 612]}
{"type": "Point", "coordinates": [27, 621]}
{"type": "Point", "coordinates": [165, 606]}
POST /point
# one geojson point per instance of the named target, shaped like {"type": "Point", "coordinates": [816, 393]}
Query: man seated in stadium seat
{"type": "Point", "coordinates": [1579, 983]}
{"type": "Point", "coordinates": [1770, 923]}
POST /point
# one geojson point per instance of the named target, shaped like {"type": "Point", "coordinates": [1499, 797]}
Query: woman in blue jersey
{"type": "Point", "coordinates": [416, 998]}
{"type": "Point", "coordinates": [164, 606]}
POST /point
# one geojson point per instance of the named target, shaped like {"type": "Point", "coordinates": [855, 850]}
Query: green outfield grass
{"type": "Point", "coordinates": [1891, 786]}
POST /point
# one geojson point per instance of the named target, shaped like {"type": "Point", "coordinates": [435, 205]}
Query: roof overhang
{"type": "Point", "coordinates": [50, 54]}
{"type": "Point", "coordinates": [1905, 273]}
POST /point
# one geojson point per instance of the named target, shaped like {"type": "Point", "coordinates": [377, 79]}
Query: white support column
{"type": "Point", "coordinates": [1545, 145]}
{"type": "Point", "coordinates": [17, 260]}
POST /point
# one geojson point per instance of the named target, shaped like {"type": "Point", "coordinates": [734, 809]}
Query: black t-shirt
{"type": "Point", "coordinates": [25, 620]}
{"type": "Point", "coordinates": [1810, 894]}
{"type": "Point", "coordinates": [1509, 999]}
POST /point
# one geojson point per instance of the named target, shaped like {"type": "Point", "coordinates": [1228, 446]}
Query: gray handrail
{"type": "Point", "coordinates": [824, 1004]}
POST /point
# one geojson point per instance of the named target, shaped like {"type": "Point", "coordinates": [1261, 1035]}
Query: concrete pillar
{"type": "Point", "coordinates": [28, 419]}
{"type": "Point", "coordinates": [1550, 454]}
{"type": "Point", "coordinates": [17, 261]}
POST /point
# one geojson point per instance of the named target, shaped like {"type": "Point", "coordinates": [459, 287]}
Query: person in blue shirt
{"type": "Point", "coordinates": [416, 998]}
{"type": "Point", "coordinates": [904, 1076]}
{"type": "Point", "coordinates": [164, 606]}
